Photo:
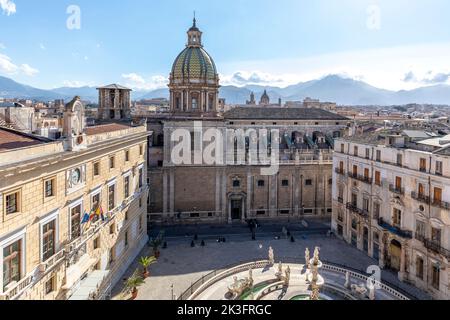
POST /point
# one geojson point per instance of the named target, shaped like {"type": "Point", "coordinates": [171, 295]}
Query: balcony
{"type": "Point", "coordinates": [360, 178]}
{"type": "Point", "coordinates": [396, 190]}
{"type": "Point", "coordinates": [433, 246]}
{"type": "Point", "coordinates": [339, 171]}
{"type": "Point", "coordinates": [353, 208]}
{"type": "Point", "coordinates": [340, 200]}
{"type": "Point", "coordinates": [395, 230]}
{"type": "Point", "coordinates": [440, 204]}
{"type": "Point", "coordinates": [420, 197]}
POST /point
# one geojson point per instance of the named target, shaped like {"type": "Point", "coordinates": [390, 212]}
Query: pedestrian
{"type": "Point", "coordinates": [192, 244]}
{"type": "Point", "coordinates": [203, 243]}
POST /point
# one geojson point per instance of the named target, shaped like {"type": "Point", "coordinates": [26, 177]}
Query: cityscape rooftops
{"type": "Point", "coordinates": [104, 128]}
{"type": "Point", "coordinates": [258, 113]}
{"type": "Point", "coordinates": [11, 139]}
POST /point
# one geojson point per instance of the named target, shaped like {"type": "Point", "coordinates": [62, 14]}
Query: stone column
{"type": "Point", "coordinates": [182, 101]}
{"type": "Point", "coordinates": [165, 193]}
{"type": "Point", "coordinates": [401, 274]}
{"type": "Point", "coordinates": [172, 192]}
{"type": "Point", "coordinates": [249, 193]}
{"type": "Point", "coordinates": [381, 245]}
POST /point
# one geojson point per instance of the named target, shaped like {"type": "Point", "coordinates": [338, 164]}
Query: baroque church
{"type": "Point", "coordinates": [236, 189]}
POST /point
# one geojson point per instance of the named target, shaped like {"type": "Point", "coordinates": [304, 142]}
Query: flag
{"type": "Point", "coordinates": [86, 218]}
{"type": "Point", "coordinates": [92, 215]}
{"type": "Point", "coordinates": [101, 214]}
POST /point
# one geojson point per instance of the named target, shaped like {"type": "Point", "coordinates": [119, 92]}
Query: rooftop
{"type": "Point", "coordinates": [11, 139]}
{"type": "Point", "coordinates": [259, 113]}
{"type": "Point", "coordinates": [115, 86]}
{"type": "Point", "coordinates": [104, 128]}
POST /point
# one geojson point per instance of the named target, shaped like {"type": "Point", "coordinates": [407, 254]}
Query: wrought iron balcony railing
{"type": "Point", "coordinates": [339, 171]}
{"type": "Point", "coordinates": [353, 208]}
{"type": "Point", "coordinates": [440, 204]}
{"type": "Point", "coordinates": [395, 230]}
{"type": "Point", "coordinates": [397, 190]}
{"type": "Point", "coordinates": [420, 197]}
{"type": "Point", "coordinates": [434, 246]}
{"type": "Point", "coordinates": [360, 178]}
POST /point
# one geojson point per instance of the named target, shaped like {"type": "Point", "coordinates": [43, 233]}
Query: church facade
{"type": "Point", "coordinates": [238, 185]}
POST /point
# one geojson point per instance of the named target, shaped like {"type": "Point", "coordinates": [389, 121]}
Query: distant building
{"type": "Point", "coordinates": [114, 102]}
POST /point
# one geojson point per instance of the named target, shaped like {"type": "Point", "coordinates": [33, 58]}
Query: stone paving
{"type": "Point", "coordinates": [180, 265]}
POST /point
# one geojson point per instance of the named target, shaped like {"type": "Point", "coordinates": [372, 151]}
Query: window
{"type": "Point", "coordinates": [236, 183]}
{"type": "Point", "coordinates": [49, 188]}
{"type": "Point", "coordinates": [96, 169]}
{"type": "Point", "coordinates": [397, 218]}
{"type": "Point", "coordinates": [379, 155]}
{"type": "Point", "coordinates": [140, 222]}
{"type": "Point", "coordinates": [366, 174]}
{"type": "Point", "coordinates": [341, 216]}
{"type": "Point", "coordinates": [355, 171]}
{"type": "Point", "coordinates": [330, 181]}
{"type": "Point", "coordinates": [436, 235]}
{"type": "Point", "coordinates": [366, 205]}
{"type": "Point", "coordinates": [419, 268]}
{"type": "Point", "coordinates": [436, 275]}
{"type": "Point", "coordinates": [421, 190]}
{"type": "Point", "coordinates": [112, 162]}
{"type": "Point", "coordinates": [423, 165]}
{"type": "Point", "coordinates": [260, 212]}
{"type": "Point", "coordinates": [341, 193]}
{"type": "Point", "coordinates": [420, 229]}
{"type": "Point", "coordinates": [112, 254]}
{"type": "Point", "coordinates": [285, 183]}
{"type": "Point", "coordinates": [112, 228]}
{"type": "Point", "coordinates": [367, 153]}
{"type": "Point", "coordinates": [48, 240]}
{"type": "Point", "coordinates": [126, 186]}
{"type": "Point", "coordinates": [141, 150]}
{"type": "Point", "coordinates": [96, 201]}
{"type": "Point", "coordinates": [141, 177]}
{"type": "Point", "coordinates": [376, 210]}
{"type": "Point", "coordinates": [96, 243]}
{"type": "Point", "coordinates": [355, 151]}
{"type": "Point", "coordinates": [378, 178]}
{"type": "Point", "coordinates": [12, 263]}
{"type": "Point", "coordinates": [354, 224]}
{"type": "Point", "coordinates": [399, 159]}
{"type": "Point", "coordinates": [75, 222]}
{"type": "Point", "coordinates": [50, 285]}
{"type": "Point", "coordinates": [342, 148]}
{"type": "Point", "coordinates": [308, 182]}
{"type": "Point", "coordinates": [111, 197]}
{"type": "Point", "coordinates": [261, 183]}
{"type": "Point", "coordinates": [285, 211]}
{"type": "Point", "coordinates": [398, 183]}
{"type": "Point", "coordinates": [12, 203]}
{"type": "Point", "coordinates": [354, 199]}
{"type": "Point", "coordinates": [127, 155]}
{"type": "Point", "coordinates": [126, 238]}
{"type": "Point", "coordinates": [140, 202]}
{"type": "Point", "coordinates": [126, 216]}
{"type": "Point", "coordinates": [437, 196]}
{"type": "Point", "coordinates": [341, 167]}
{"type": "Point", "coordinates": [439, 168]}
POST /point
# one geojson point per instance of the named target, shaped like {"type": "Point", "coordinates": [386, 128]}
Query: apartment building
{"type": "Point", "coordinates": [391, 199]}
{"type": "Point", "coordinates": [73, 211]}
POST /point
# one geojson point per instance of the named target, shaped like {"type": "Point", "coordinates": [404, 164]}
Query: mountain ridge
{"type": "Point", "coordinates": [333, 88]}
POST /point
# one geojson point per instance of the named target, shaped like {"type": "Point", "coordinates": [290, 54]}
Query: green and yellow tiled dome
{"type": "Point", "coordinates": [194, 63]}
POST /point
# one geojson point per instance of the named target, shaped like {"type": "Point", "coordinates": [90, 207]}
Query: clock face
{"type": "Point", "coordinates": [76, 176]}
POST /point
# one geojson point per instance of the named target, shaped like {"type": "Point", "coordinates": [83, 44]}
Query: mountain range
{"type": "Point", "coordinates": [333, 88]}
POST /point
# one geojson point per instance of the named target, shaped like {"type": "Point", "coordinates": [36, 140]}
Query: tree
{"type": "Point", "coordinates": [145, 263]}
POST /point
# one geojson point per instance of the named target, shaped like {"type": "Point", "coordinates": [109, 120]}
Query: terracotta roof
{"type": "Point", "coordinates": [10, 140]}
{"type": "Point", "coordinates": [111, 127]}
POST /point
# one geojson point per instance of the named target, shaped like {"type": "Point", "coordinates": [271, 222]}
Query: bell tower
{"type": "Point", "coordinates": [194, 35]}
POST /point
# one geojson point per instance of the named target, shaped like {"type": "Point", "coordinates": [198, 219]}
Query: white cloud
{"type": "Point", "coordinates": [76, 84]}
{"type": "Point", "coordinates": [2, 46]}
{"type": "Point", "coordinates": [42, 46]}
{"type": "Point", "coordinates": [28, 70]}
{"type": "Point", "coordinates": [6, 65]}
{"type": "Point", "coordinates": [8, 7]}
{"type": "Point", "coordinates": [137, 81]}
{"type": "Point", "coordinates": [240, 78]}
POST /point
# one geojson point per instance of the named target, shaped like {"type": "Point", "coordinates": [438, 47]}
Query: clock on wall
{"type": "Point", "coordinates": [76, 176]}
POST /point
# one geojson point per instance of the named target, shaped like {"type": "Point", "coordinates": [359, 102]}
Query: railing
{"type": "Point", "coordinates": [340, 200]}
{"type": "Point", "coordinates": [360, 178]}
{"type": "Point", "coordinates": [353, 208]}
{"type": "Point", "coordinates": [440, 204]}
{"type": "Point", "coordinates": [339, 171]}
{"type": "Point", "coordinates": [206, 281]}
{"type": "Point", "coordinates": [14, 292]}
{"type": "Point", "coordinates": [433, 246]}
{"type": "Point", "coordinates": [395, 230]}
{"type": "Point", "coordinates": [397, 190]}
{"type": "Point", "coordinates": [420, 197]}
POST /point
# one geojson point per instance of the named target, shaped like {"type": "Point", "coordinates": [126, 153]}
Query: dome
{"type": "Point", "coordinates": [194, 63]}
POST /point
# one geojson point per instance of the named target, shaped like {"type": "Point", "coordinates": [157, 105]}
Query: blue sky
{"type": "Point", "coordinates": [397, 44]}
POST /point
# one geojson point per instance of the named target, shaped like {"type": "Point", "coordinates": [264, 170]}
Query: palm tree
{"type": "Point", "coordinates": [145, 263]}
{"type": "Point", "coordinates": [132, 284]}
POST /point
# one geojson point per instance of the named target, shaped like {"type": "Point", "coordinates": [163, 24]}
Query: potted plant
{"type": "Point", "coordinates": [145, 263]}
{"type": "Point", "coordinates": [132, 285]}
{"type": "Point", "coordinates": [156, 243]}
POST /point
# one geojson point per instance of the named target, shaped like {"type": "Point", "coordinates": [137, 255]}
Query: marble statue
{"type": "Point", "coordinates": [287, 275]}
{"type": "Point", "coordinates": [347, 280]}
{"type": "Point", "coordinates": [271, 256]}
{"type": "Point", "coordinates": [316, 256]}
{"type": "Point", "coordinates": [307, 258]}
{"type": "Point", "coordinates": [372, 292]}
{"type": "Point", "coordinates": [280, 267]}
